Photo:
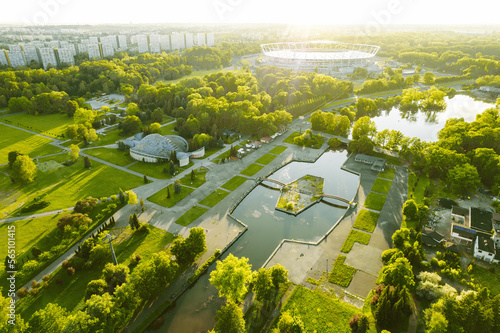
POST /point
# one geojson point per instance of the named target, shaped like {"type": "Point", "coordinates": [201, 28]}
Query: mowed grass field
{"type": "Point", "coordinates": [63, 187]}
{"type": "Point", "coordinates": [27, 143]}
{"type": "Point", "coordinates": [52, 125]}
{"type": "Point", "coordinates": [111, 155]}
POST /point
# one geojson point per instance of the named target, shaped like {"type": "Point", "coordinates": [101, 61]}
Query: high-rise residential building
{"type": "Point", "coordinates": [47, 56]}
{"type": "Point", "coordinates": [122, 41]}
{"type": "Point", "coordinates": [52, 43]}
{"type": "Point", "coordinates": [189, 40]}
{"type": "Point", "coordinates": [142, 43]}
{"type": "Point", "coordinates": [16, 58]}
{"type": "Point", "coordinates": [3, 58]}
{"type": "Point", "coordinates": [65, 56]}
{"type": "Point", "coordinates": [200, 39]}
{"type": "Point", "coordinates": [94, 51]}
{"type": "Point", "coordinates": [210, 39]}
{"type": "Point", "coordinates": [70, 46]}
{"type": "Point", "coordinates": [93, 40]}
{"type": "Point", "coordinates": [30, 54]}
{"type": "Point", "coordinates": [177, 42]}
{"type": "Point", "coordinates": [154, 43]}
{"type": "Point", "coordinates": [110, 40]}
{"type": "Point", "coordinates": [82, 47]}
{"type": "Point", "coordinates": [165, 42]}
{"type": "Point", "coordinates": [107, 50]}
{"type": "Point", "coordinates": [15, 48]}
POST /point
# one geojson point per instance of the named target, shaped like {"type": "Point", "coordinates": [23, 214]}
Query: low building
{"type": "Point", "coordinates": [484, 249]}
{"type": "Point", "coordinates": [459, 214]}
{"type": "Point", "coordinates": [431, 238]}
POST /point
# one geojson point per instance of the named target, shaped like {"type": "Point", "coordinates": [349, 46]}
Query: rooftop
{"type": "Point", "coordinates": [485, 244]}
{"type": "Point", "coordinates": [481, 219]}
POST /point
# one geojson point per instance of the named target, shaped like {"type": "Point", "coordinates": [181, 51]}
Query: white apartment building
{"type": "Point", "coordinates": [30, 54]}
{"type": "Point", "coordinates": [200, 39]}
{"type": "Point", "coordinates": [189, 40]}
{"type": "Point", "coordinates": [15, 48]}
{"type": "Point", "coordinates": [154, 43]}
{"type": "Point", "coordinates": [47, 56]}
{"type": "Point", "coordinates": [122, 41]}
{"type": "Point", "coordinates": [142, 43]}
{"type": "Point", "coordinates": [107, 50]}
{"type": "Point", "coordinates": [93, 40]}
{"type": "Point", "coordinates": [16, 58]}
{"type": "Point", "coordinates": [82, 48]}
{"type": "Point", "coordinates": [94, 51]}
{"type": "Point", "coordinates": [210, 39]}
{"type": "Point", "coordinates": [53, 43]}
{"type": "Point", "coordinates": [110, 40]}
{"type": "Point", "coordinates": [3, 58]}
{"type": "Point", "coordinates": [177, 42]}
{"type": "Point", "coordinates": [165, 42]}
{"type": "Point", "coordinates": [65, 56]}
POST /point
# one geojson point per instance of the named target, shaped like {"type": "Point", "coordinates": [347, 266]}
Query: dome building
{"type": "Point", "coordinates": [156, 147]}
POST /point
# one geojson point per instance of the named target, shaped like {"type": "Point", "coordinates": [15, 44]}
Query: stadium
{"type": "Point", "coordinates": [325, 57]}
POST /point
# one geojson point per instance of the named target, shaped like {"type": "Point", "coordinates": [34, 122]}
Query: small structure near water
{"type": "Point", "coordinates": [300, 194]}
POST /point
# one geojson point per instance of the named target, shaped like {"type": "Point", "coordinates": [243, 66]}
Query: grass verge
{"type": "Point", "coordinates": [341, 274]}
{"type": "Point", "coordinates": [382, 186]}
{"type": "Point", "coordinates": [251, 170]}
{"type": "Point", "coordinates": [375, 201]}
{"type": "Point", "coordinates": [161, 199]}
{"type": "Point", "coordinates": [266, 159]}
{"type": "Point", "coordinates": [111, 155]}
{"type": "Point", "coordinates": [355, 236]}
{"type": "Point", "coordinates": [233, 183]}
{"type": "Point", "coordinates": [278, 150]}
{"type": "Point", "coordinates": [387, 174]}
{"type": "Point", "coordinates": [366, 220]}
{"type": "Point", "coordinates": [214, 198]}
{"type": "Point", "coordinates": [191, 215]}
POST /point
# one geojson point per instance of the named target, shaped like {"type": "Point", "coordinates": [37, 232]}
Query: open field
{"type": "Point", "coordinates": [278, 150]}
{"type": "Point", "coordinates": [191, 215]}
{"type": "Point", "coordinates": [199, 179]}
{"type": "Point", "coordinates": [111, 155]}
{"type": "Point", "coordinates": [366, 220]}
{"type": "Point", "coordinates": [375, 201]}
{"type": "Point", "coordinates": [27, 143]}
{"type": "Point", "coordinates": [382, 186]}
{"type": "Point", "coordinates": [156, 170]}
{"type": "Point", "coordinates": [233, 183]}
{"type": "Point", "coordinates": [387, 174]}
{"type": "Point", "coordinates": [53, 125]}
{"type": "Point", "coordinates": [251, 170]}
{"type": "Point", "coordinates": [214, 198]}
{"type": "Point", "coordinates": [63, 187]}
{"type": "Point", "coordinates": [161, 199]}
{"type": "Point", "coordinates": [321, 312]}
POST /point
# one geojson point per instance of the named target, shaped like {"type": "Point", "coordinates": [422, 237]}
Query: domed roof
{"type": "Point", "coordinates": [160, 146]}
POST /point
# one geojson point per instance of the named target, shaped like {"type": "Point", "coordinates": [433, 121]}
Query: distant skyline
{"type": "Point", "coordinates": [358, 12]}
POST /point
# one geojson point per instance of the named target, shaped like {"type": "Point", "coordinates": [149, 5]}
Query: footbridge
{"type": "Point", "coordinates": [272, 181]}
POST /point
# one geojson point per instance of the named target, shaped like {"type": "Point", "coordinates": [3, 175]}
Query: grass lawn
{"type": "Point", "coordinates": [295, 134]}
{"type": "Point", "coordinates": [387, 174]}
{"type": "Point", "coordinates": [487, 279]}
{"type": "Point", "coordinates": [320, 312]}
{"type": "Point", "coordinates": [266, 159]}
{"type": "Point", "coordinates": [382, 185]}
{"type": "Point", "coordinates": [199, 179]}
{"type": "Point", "coordinates": [341, 274]}
{"type": "Point", "coordinates": [26, 143]}
{"type": "Point", "coordinates": [53, 125]}
{"type": "Point", "coordinates": [390, 159]}
{"type": "Point", "coordinates": [251, 170]}
{"type": "Point", "coordinates": [375, 201]}
{"type": "Point", "coordinates": [111, 155]}
{"type": "Point", "coordinates": [278, 150]}
{"type": "Point", "coordinates": [355, 236]}
{"type": "Point", "coordinates": [64, 186]}
{"type": "Point", "coordinates": [71, 293]}
{"type": "Point", "coordinates": [233, 183]}
{"type": "Point", "coordinates": [213, 198]}
{"type": "Point", "coordinates": [160, 197]}
{"type": "Point", "coordinates": [156, 170]}
{"type": "Point", "coordinates": [366, 220]}
{"type": "Point", "coordinates": [168, 129]}
{"type": "Point", "coordinates": [191, 215]}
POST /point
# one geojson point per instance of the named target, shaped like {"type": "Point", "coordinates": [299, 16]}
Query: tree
{"type": "Point", "coordinates": [12, 157]}
{"type": "Point", "coordinates": [186, 250]}
{"type": "Point", "coordinates": [334, 142]}
{"type": "Point", "coordinates": [156, 117]}
{"type": "Point", "coordinates": [463, 178]}
{"type": "Point", "coordinates": [84, 117]}
{"type": "Point", "coordinates": [132, 198]}
{"type": "Point", "coordinates": [85, 205]}
{"type": "Point", "coordinates": [96, 287]}
{"type": "Point", "coordinates": [364, 126]}
{"type": "Point", "coordinates": [193, 175]}
{"type": "Point", "coordinates": [131, 125]}
{"type": "Point", "coordinates": [132, 109]}
{"type": "Point", "coordinates": [359, 323]}
{"type": "Point", "coordinates": [230, 319]}
{"type": "Point", "coordinates": [362, 145]}
{"type": "Point", "coordinates": [177, 186]}
{"type": "Point", "coordinates": [290, 322]}
{"type": "Point", "coordinates": [121, 195]}
{"type": "Point", "coordinates": [87, 162]}
{"type": "Point", "coordinates": [142, 204]}
{"type": "Point", "coordinates": [115, 275]}
{"type": "Point", "coordinates": [155, 128]}
{"type": "Point", "coordinates": [398, 273]}
{"type": "Point", "coordinates": [429, 78]}
{"type": "Point", "coordinates": [146, 179]}
{"type": "Point", "coordinates": [172, 167]}
{"type": "Point", "coordinates": [24, 169]}
{"type": "Point", "coordinates": [410, 210]}
{"type": "Point", "coordinates": [92, 136]}
{"type": "Point", "coordinates": [74, 152]}
{"type": "Point", "coordinates": [19, 104]}
{"type": "Point", "coordinates": [134, 221]}
{"type": "Point", "coordinates": [51, 318]}
{"type": "Point", "coordinates": [435, 321]}
{"type": "Point", "coordinates": [168, 192]}
{"type": "Point", "coordinates": [262, 285]}
{"type": "Point", "coordinates": [279, 275]}
{"type": "Point", "coordinates": [231, 277]}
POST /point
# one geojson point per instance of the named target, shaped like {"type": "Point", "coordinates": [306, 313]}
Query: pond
{"type": "Point", "coordinates": [426, 125]}
{"type": "Point", "coordinates": [196, 308]}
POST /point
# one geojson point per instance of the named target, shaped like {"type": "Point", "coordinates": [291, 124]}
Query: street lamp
{"type": "Point", "coordinates": [109, 239]}
{"type": "Point", "coordinates": [301, 120]}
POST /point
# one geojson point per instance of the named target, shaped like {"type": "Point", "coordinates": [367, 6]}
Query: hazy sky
{"type": "Point", "coordinates": [252, 11]}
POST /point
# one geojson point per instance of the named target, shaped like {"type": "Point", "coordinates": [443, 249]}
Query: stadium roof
{"type": "Point", "coordinates": [160, 146]}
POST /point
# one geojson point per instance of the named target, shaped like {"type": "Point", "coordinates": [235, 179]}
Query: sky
{"type": "Point", "coordinates": [359, 12]}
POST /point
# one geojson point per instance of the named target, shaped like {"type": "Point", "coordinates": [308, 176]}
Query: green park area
{"type": "Point", "coordinates": [111, 155]}
{"type": "Point", "coordinates": [158, 171]}
{"type": "Point", "coordinates": [488, 278]}
{"type": "Point", "coordinates": [306, 139]}
{"type": "Point", "coordinates": [214, 198]}
{"type": "Point", "coordinates": [387, 174]}
{"type": "Point", "coordinates": [251, 170]}
{"type": "Point", "coordinates": [27, 143]}
{"type": "Point", "coordinates": [375, 201]}
{"type": "Point", "coordinates": [355, 236]}
{"type": "Point", "coordinates": [320, 311]}
{"type": "Point", "coordinates": [167, 197]}
{"type": "Point", "coordinates": [69, 290]}
{"type": "Point", "coordinates": [265, 159]}
{"type": "Point", "coordinates": [192, 214]}
{"type": "Point", "coordinates": [382, 185]}
{"type": "Point", "coordinates": [168, 129]}
{"type": "Point", "coordinates": [63, 186]}
{"type": "Point", "coordinates": [366, 220]}
{"type": "Point", "coordinates": [278, 150]}
{"type": "Point", "coordinates": [195, 178]}
{"type": "Point", "coordinates": [341, 273]}
{"type": "Point", "coordinates": [233, 183]}
{"type": "Point", "coordinates": [201, 73]}
{"type": "Point", "coordinates": [53, 125]}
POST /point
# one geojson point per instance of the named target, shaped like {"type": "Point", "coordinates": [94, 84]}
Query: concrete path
{"type": "Point", "coordinates": [26, 217]}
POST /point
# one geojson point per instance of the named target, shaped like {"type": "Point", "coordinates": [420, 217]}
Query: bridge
{"type": "Point", "coordinates": [323, 195]}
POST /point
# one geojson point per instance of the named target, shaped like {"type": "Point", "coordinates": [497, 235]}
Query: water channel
{"type": "Point", "coordinates": [426, 125]}
{"type": "Point", "coordinates": [196, 308]}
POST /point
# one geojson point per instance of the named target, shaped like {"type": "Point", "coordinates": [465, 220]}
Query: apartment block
{"type": "Point", "coordinates": [122, 42]}
{"type": "Point", "coordinates": [107, 50]}
{"type": "Point", "coordinates": [94, 51]}
{"type": "Point", "coordinates": [154, 43]}
{"type": "Point", "coordinates": [65, 56]}
{"type": "Point", "coordinates": [177, 42]}
{"type": "Point", "coordinates": [142, 43]}
{"type": "Point", "coordinates": [47, 56]}
{"type": "Point", "coordinates": [165, 42]}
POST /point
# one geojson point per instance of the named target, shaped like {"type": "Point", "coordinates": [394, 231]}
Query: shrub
{"type": "Point", "coordinates": [114, 197]}
{"type": "Point", "coordinates": [35, 205]}
{"type": "Point", "coordinates": [143, 228]}
{"type": "Point", "coordinates": [34, 291]}
{"type": "Point", "coordinates": [22, 293]}
{"type": "Point", "coordinates": [59, 280]}
{"type": "Point", "coordinates": [65, 264]}
{"type": "Point", "coordinates": [70, 270]}
{"type": "Point", "coordinates": [46, 278]}
{"type": "Point", "coordinates": [35, 284]}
